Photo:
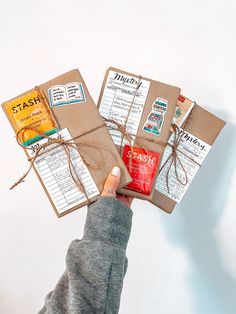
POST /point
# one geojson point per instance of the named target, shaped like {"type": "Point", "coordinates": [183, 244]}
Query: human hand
{"type": "Point", "coordinates": [111, 184]}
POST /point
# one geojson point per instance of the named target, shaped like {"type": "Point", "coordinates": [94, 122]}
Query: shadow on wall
{"type": "Point", "coordinates": [192, 224]}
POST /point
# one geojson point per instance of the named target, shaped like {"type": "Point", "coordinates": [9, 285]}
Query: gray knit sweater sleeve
{"type": "Point", "coordinates": [96, 264]}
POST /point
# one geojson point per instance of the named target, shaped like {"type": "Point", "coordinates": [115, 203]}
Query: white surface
{"type": "Point", "coordinates": [178, 264]}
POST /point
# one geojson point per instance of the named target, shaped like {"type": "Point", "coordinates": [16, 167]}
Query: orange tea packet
{"type": "Point", "coordinates": [30, 110]}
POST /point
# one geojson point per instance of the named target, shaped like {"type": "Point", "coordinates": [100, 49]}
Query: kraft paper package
{"type": "Point", "coordinates": [144, 109]}
{"type": "Point", "coordinates": [64, 110]}
{"type": "Point", "coordinates": [199, 129]}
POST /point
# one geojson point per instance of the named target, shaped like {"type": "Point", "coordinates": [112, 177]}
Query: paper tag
{"type": "Point", "coordinates": [192, 147]}
{"type": "Point", "coordinates": [71, 93]}
{"type": "Point", "coordinates": [143, 167]}
{"type": "Point", "coordinates": [155, 119]}
{"type": "Point", "coordinates": [53, 169]}
{"type": "Point", "coordinates": [120, 92]}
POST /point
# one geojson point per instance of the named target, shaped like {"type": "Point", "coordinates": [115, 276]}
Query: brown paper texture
{"type": "Point", "coordinates": [156, 89]}
{"type": "Point", "coordinates": [206, 127]}
{"type": "Point", "coordinates": [79, 118]}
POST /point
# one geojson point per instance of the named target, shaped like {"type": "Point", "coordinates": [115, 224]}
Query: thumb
{"type": "Point", "coordinates": [112, 182]}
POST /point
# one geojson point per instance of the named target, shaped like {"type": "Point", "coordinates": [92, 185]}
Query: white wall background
{"type": "Point", "coordinates": [184, 263]}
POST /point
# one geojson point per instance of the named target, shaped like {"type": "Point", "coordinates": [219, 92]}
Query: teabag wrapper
{"type": "Point", "coordinates": [142, 166]}
{"type": "Point", "coordinates": [145, 108]}
{"type": "Point", "coordinates": [30, 111]}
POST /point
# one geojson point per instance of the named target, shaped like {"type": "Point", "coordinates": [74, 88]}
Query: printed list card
{"type": "Point", "coordinates": [122, 91]}
{"type": "Point", "coordinates": [53, 169]}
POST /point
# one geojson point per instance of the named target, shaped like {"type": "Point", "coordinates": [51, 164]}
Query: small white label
{"type": "Point", "coordinates": [190, 146]}
{"type": "Point", "coordinates": [61, 95]}
{"type": "Point", "coordinates": [53, 169]}
{"type": "Point", "coordinates": [120, 92]}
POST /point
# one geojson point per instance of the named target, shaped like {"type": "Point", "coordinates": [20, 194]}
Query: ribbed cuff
{"type": "Point", "coordinates": [108, 219]}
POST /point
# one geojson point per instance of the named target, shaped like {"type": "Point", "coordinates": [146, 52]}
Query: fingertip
{"type": "Point", "coordinates": [112, 182]}
{"type": "Point", "coordinates": [115, 171]}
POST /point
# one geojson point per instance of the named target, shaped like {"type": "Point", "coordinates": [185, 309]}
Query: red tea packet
{"type": "Point", "coordinates": [142, 166]}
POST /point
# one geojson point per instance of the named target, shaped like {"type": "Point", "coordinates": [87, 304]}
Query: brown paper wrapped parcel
{"type": "Point", "coordinates": [74, 162]}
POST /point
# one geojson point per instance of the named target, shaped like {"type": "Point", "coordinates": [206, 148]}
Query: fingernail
{"type": "Point", "coordinates": [116, 171]}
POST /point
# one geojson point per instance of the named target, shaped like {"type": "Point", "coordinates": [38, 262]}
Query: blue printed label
{"type": "Point", "coordinates": [71, 93]}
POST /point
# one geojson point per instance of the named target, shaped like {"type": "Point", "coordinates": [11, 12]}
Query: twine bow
{"type": "Point", "coordinates": [52, 144]}
{"type": "Point", "coordinates": [174, 155]}
{"type": "Point", "coordinates": [173, 158]}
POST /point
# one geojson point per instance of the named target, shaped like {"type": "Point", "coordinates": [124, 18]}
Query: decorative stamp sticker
{"type": "Point", "coordinates": [61, 95]}
{"type": "Point", "coordinates": [155, 118]}
{"type": "Point", "coordinates": [183, 109]}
